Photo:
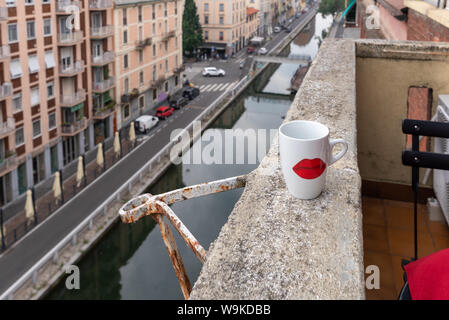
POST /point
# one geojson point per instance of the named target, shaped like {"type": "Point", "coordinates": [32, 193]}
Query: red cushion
{"type": "Point", "coordinates": [428, 277]}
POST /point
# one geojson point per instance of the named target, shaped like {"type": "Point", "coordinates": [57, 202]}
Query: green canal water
{"type": "Point", "coordinates": [131, 261]}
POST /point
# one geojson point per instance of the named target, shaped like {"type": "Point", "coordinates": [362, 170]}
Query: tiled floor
{"type": "Point", "coordinates": [388, 238]}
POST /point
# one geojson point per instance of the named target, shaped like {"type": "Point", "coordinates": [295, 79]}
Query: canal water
{"type": "Point", "coordinates": [131, 261]}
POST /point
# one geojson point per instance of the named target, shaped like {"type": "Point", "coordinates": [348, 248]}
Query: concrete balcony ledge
{"type": "Point", "coordinates": [100, 4]}
{"type": "Point", "coordinates": [66, 6]}
{"type": "Point", "coordinates": [102, 32]}
{"type": "Point", "coordinates": [275, 246]}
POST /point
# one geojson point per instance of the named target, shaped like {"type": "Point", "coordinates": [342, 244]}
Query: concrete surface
{"type": "Point", "coordinates": [277, 247]}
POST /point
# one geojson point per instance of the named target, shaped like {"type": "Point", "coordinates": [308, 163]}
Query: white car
{"type": "Point", "coordinates": [262, 51]}
{"type": "Point", "coordinates": [276, 29]}
{"type": "Point", "coordinates": [145, 123]}
{"type": "Point", "coordinates": [213, 72]}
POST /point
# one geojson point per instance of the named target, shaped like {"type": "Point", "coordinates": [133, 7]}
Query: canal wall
{"type": "Point", "coordinates": [275, 246]}
{"type": "Point", "coordinates": [44, 276]}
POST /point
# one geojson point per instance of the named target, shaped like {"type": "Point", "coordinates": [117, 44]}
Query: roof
{"type": "Point", "coordinates": [250, 11]}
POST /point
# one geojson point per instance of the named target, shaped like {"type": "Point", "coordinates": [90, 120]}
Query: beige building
{"type": "Point", "coordinates": [148, 53]}
{"type": "Point", "coordinates": [252, 23]}
{"type": "Point", "coordinates": [223, 24]}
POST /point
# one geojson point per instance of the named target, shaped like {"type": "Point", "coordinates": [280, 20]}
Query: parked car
{"type": "Point", "coordinates": [191, 92]}
{"type": "Point", "coordinates": [250, 50]}
{"type": "Point", "coordinates": [164, 112]}
{"type": "Point", "coordinates": [178, 101]}
{"type": "Point", "coordinates": [213, 72]}
{"type": "Point", "coordinates": [144, 123]}
{"type": "Point", "coordinates": [276, 29]}
{"type": "Point", "coordinates": [288, 30]}
{"type": "Point", "coordinates": [290, 20]}
{"type": "Point", "coordinates": [262, 51]}
{"type": "Point", "coordinates": [298, 14]}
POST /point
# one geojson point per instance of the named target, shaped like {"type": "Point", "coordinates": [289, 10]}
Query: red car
{"type": "Point", "coordinates": [251, 50]}
{"type": "Point", "coordinates": [164, 112]}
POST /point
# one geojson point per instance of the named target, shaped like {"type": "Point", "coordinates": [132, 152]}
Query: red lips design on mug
{"type": "Point", "coordinates": [310, 168]}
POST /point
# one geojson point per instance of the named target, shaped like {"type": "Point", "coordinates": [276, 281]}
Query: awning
{"type": "Point", "coordinates": [77, 107]}
{"type": "Point", "coordinates": [15, 68]}
{"type": "Point", "coordinates": [256, 40]}
{"type": "Point", "coordinates": [49, 59]}
{"type": "Point", "coordinates": [33, 64]}
{"type": "Point", "coordinates": [210, 45]}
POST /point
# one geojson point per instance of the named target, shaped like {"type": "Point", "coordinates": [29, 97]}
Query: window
{"type": "Point", "coordinates": [33, 63]}
{"type": "Point", "coordinates": [17, 102]}
{"type": "Point", "coordinates": [126, 85]}
{"type": "Point", "coordinates": [125, 20]}
{"type": "Point", "coordinates": [154, 50]}
{"type": "Point", "coordinates": [49, 59]}
{"type": "Point", "coordinates": [141, 78]}
{"type": "Point", "coordinates": [125, 61]}
{"type": "Point", "coordinates": [12, 33]}
{"type": "Point", "coordinates": [34, 97]}
{"type": "Point", "coordinates": [165, 9]}
{"type": "Point", "coordinates": [15, 68]}
{"type": "Point", "coordinates": [206, 7]}
{"type": "Point", "coordinates": [140, 13]}
{"type": "Point", "coordinates": [50, 90]}
{"type": "Point", "coordinates": [221, 7]}
{"type": "Point", "coordinates": [20, 137]}
{"type": "Point", "coordinates": [141, 102]}
{"type": "Point", "coordinates": [166, 46]}
{"type": "Point", "coordinates": [140, 56]}
{"type": "Point", "coordinates": [154, 29]}
{"type": "Point", "coordinates": [31, 31]}
{"type": "Point", "coordinates": [10, 3]}
{"type": "Point", "coordinates": [52, 120]}
{"type": "Point", "coordinates": [125, 36]}
{"type": "Point", "coordinates": [221, 35]}
{"type": "Point", "coordinates": [47, 27]}
{"type": "Point", "coordinates": [126, 111]}
{"type": "Point", "coordinates": [29, 2]}
{"type": "Point", "coordinates": [166, 86]}
{"type": "Point", "coordinates": [36, 128]}
{"type": "Point", "coordinates": [166, 65]}
{"type": "Point", "coordinates": [221, 20]}
{"type": "Point", "coordinates": [154, 94]}
{"type": "Point", "coordinates": [153, 12]}
{"type": "Point", "coordinates": [154, 73]}
{"type": "Point", "coordinates": [206, 19]}
{"type": "Point", "coordinates": [206, 35]}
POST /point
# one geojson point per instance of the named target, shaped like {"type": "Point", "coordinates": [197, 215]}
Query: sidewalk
{"type": "Point", "coordinates": [18, 225]}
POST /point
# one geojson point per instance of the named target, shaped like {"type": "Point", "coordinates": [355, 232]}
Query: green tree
{"type": "Point", "coordinates": [192, 33]}
{"type": "Point", "coordinates": [331, 6]}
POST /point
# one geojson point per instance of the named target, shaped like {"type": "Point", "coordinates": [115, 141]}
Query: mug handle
{"type": "Point", "coordinates": [332, 143]}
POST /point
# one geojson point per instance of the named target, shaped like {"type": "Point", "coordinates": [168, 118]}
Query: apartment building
{"type": "Point", "coordinates": [264, 15]}
{"type": "Point", "coordinates": [252, 22]}
{"type": "Point", "coordinates": [56, 87]}
{"type": "Point", "coordinates": [148, 53]}
{"type": "Point", "coordinates": [223, 24]}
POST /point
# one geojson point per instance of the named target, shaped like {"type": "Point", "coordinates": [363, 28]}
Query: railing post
{"type": "Point", "coordinates": [74, 240]}
{"type": "Point", "coordinates": [34, 277]}
{"type": "Point", "coordinates": [90, 224]}
{"type": "Point", "coordinates": [55, 257]}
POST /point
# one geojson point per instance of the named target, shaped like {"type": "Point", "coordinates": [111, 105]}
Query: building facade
{"type": "Point", "coordinates": [148, 54]}
{"type": "Point", "coordinates": [223, 24]}
{"type": "Point", "coordinates": [252, 23]}
{"type": "Point", "coordinates": [57, 88]}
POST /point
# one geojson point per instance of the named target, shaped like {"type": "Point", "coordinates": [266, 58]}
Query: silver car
{"type": "Point", "coordinates": [213, 72]}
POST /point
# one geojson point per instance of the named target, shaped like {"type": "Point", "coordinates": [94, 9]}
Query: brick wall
{"type": "Point", "coordinates": [422, 28]}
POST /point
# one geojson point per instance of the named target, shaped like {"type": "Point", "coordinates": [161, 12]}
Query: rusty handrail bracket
{"type": "Point", "coordinates": [158, 206]}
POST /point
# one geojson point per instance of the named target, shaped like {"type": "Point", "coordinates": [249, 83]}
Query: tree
{"type": "Point", "coordinates": [331, 6]}
{"type": "Point", "coordinates": [192, 33]}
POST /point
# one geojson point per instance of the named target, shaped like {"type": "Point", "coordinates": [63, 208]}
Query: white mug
{"type": "Point", "coordinates": [306, 152]}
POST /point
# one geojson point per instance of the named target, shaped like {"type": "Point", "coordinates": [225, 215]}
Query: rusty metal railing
{"type": "Point", "coordinates": [158, 207]}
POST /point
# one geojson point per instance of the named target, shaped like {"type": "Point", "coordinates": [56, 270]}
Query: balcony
{"type": "Point", "coordinates": [70, 38]}
{"type": "Point", "coordinates": [5, 52]}
{"type": "Point", "coordinates": [8, 163]}
{"type": "Point", "coordinates": [5, 90]}
{"type": "Point", "coordinates": [168, 35]}
{"type": "Point", "coordinates": [73, 128]}
{"type": "Point", "coordinates": [8, 127]}
{"type": "Point", "coordinates": [3, 14]}
{"type": "Point", "coordinates": [100, 4]}
{"type": "Point", "coordinates": [105, 111]}
{"type": "Point", "coordinates": [102, 86]}
{"type": "Point", "coordinates": [73, 99]}
{"type": "Point", "coordinates": [103, 59]}
{"type": "Point", "coordinates": [71, 70]}
{"type": "Point", "coordinates": [66, 7]}
{"type": "Point", "coordinates": [179, 69]}
{"type": "Point", "coordinates": [141, 44]}
{"type": "Point", "coordinates": [128, 97]}
{"type": "Point", "coordinates": [101, 32]}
